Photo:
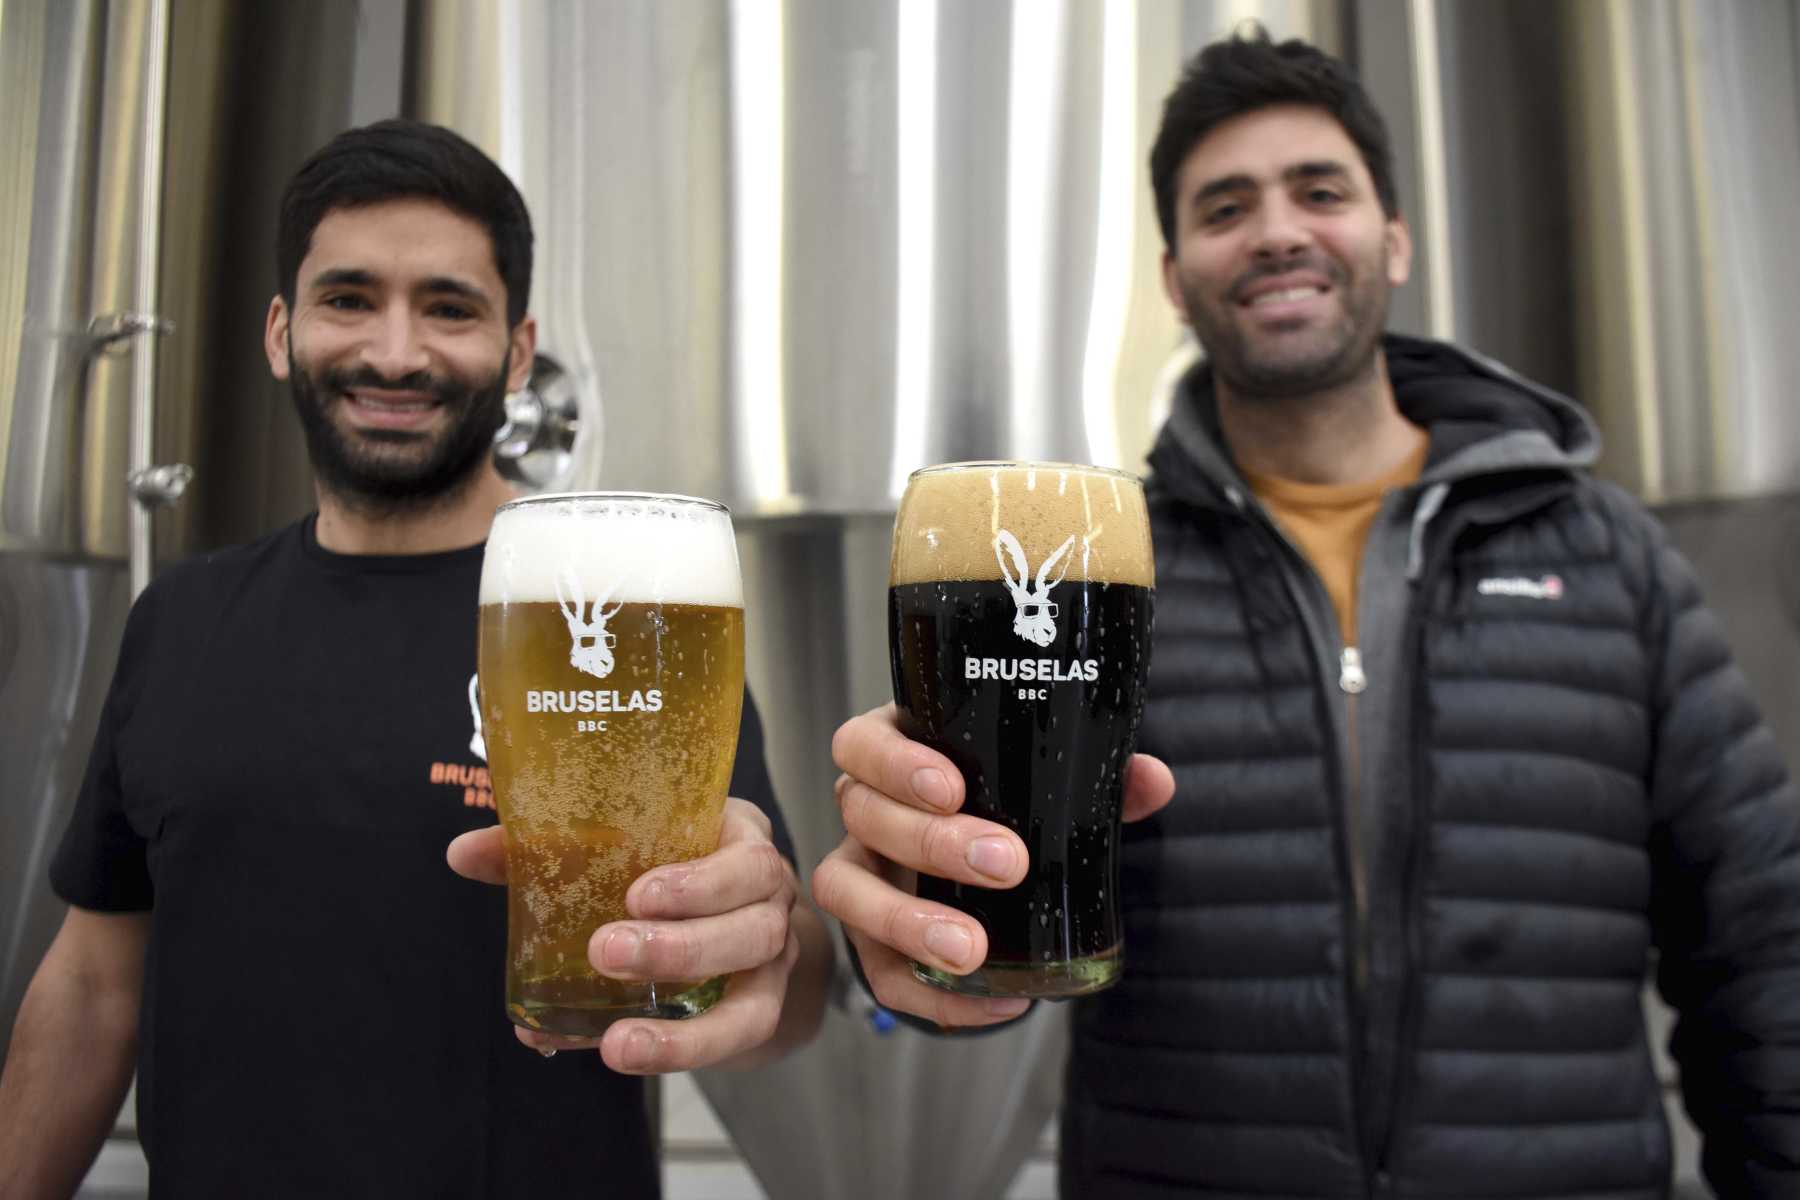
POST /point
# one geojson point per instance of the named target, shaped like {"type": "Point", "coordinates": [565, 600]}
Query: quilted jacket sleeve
{"type": "Point", "coordinates": [1725, 890]}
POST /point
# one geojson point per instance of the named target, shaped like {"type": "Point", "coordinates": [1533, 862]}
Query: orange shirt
{"type": "Point", "coordinates": [1329, 523]}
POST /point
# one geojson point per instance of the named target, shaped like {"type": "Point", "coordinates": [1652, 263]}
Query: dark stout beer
{"type": "Point", "coordinates": [612, 674]}
{"type": "Point", "coordinates": [1019, 620]}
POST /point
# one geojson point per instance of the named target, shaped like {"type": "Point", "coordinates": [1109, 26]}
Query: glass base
{"type": "Point", "coordinates": [662, 1001]}
{"type": "Point", "coordinates": [1036, 981]}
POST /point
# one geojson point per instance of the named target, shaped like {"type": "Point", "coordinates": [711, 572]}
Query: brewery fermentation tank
{"type": "Point", "coordinates": [788, 251]}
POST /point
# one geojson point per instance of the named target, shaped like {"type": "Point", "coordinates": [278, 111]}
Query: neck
{"type": "Point", "coordinates": [460, 519]}
{"type": "Point", "coordinates": [1347, 434]}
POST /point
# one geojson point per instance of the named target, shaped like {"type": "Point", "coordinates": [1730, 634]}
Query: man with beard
{"type": "Point", "coordinates": [1457, 747]}
{"type": "Point", "coordinates": [262, 918]}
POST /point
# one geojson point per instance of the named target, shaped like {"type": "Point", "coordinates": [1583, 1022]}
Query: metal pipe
{"type": "Point", "coordinates": [1434, 185]}
{"type": "Point", "coordinates": [143, 374]}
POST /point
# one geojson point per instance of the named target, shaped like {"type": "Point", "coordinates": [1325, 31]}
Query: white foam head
{"type": "Point", "coordinates": [621, 546]}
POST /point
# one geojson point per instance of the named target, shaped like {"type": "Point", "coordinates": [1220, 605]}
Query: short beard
{"type": "Point", "coordinates": [379, 484]}
{"type": "Point", "coordinates": [1351, 358]}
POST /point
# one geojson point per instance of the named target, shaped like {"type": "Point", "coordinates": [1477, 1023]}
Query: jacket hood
{"type": "Point", "coordinates": [1482, 419]}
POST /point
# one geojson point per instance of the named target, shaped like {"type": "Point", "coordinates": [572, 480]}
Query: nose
{"type": "Point", "coordinates": [394, 347]}
{"type": "Point", "coordinates": [1280, 231]}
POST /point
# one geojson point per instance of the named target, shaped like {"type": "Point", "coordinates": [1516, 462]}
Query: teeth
{"type": "Point", "coordinates": [392, 405]}
{"type": "Point", "coordinates": [1285, 295]}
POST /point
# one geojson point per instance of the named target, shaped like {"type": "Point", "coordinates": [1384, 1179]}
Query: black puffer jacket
{"type": "Point", "coordinates": [1555, 771]}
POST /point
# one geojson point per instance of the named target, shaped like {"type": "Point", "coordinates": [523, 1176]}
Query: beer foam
{"type": "Point", "coordinates": [615, 548]}
{"type": "Point", "coordinates": [950, 519]}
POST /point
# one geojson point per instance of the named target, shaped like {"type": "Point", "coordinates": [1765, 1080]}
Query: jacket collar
{"type": "Point", "coordinates": [1483, 420]}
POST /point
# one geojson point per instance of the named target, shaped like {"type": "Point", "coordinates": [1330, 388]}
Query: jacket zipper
{"type": "Point", "coordinates": [1406, 1033]}
{"type": "Point", "coordinates": [1352, 681]}
{"type": "Point", "coordinates": [1406, 1020]}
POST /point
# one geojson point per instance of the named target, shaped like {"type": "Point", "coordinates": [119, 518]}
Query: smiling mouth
{"type": "Point", "coordinates": [1286, 295]}
{"type": "Point", "coordinates": [391, 404]}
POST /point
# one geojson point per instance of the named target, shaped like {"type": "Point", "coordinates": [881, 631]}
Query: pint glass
{"type": "Point", "coordinates": [1019, 612]}
{"type": "Point", "coordinates": [612, 678]}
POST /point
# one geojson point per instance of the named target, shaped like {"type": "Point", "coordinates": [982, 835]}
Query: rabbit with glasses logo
{"type": "Point", "coordinates": [1035, 620]}
{"type": "Point", "coordinates": [590, 645]}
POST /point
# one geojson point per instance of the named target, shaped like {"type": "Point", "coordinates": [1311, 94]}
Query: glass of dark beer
{"type": "Point", "coordinates": [1019, 610]}
{"type": "Point", "coordinates": [612, 675]}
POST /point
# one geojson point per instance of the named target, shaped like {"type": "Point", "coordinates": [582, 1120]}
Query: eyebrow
{"type": "Point", "coordinates": [437, 285]}
{"type": "Point", "coordinates": [1318, 169]}
{"type": "Point", "coordinates": [342, 277]}
{"type": "Point", "coordinates": [445, 285]}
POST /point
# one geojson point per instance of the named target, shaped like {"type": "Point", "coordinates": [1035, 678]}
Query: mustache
{"type": "Point", "coordinates": [1315, 262]}
{"type": "Point", "coordinates": [445, 391]}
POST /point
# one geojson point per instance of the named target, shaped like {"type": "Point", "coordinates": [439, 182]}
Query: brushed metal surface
{"type": "Point", "coordinates": [50, 55]}
{"type": "Point", "coordinates": [807, 246]}
{"type": "Point", "coordinates": [59, 638]}
{"type": "Point", "coordinates": [141, 426]}
{"type": "Point", "coordinates": [253, 90]}
{"type": "Point", "coordinates": [1685, 150]}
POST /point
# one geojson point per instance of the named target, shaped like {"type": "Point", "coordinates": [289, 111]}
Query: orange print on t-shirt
{"type": "Point", "coordinates": [478, 789]}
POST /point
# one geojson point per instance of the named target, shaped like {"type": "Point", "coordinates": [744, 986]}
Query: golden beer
{"type": "Point", "coordinates": [612, 678]}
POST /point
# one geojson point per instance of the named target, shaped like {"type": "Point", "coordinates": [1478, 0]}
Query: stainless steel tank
{"type": "Point", "coordinates": [794, 250]}
{"type": "Point", "coordinates": [789, 250]}
{"type": "Point", "coordinates": [142, 145]}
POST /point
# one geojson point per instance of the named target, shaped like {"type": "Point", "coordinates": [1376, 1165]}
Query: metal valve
{"type": "Point", "coordinates": [110, 332]}
{"type": "Point", "coordinates": [155, 487]}
{"type": "Point", "coordinates": [535, 445]}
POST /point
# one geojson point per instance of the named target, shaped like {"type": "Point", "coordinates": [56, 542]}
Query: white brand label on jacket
{"type": "Point", "coordinates": [1550, 587]}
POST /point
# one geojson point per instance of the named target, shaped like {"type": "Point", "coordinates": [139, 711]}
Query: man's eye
{"type": "Point", "coordinates": [452, 312]}
{"type": "Point", "coordinates": [345, 303]}
{"type": "Point", "coordinates": [1324, 196]}
{"type": "Point", "coordinates": [1224, 212]}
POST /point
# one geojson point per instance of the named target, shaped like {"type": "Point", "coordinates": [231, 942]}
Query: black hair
{"type": "Point", "coordinates": [1245, 72]}
{"type": "Point", "coordinates": [395, 159]}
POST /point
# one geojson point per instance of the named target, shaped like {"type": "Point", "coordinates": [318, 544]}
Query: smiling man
{"type": "Point", "coordinates": [262, 920]}
{"type": "Point", "coordinates": [382, 429]}
{"type": "Point", "coordinates": [1457, 746]}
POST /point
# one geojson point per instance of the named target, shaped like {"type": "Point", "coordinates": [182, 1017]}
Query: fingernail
{"type": "Point", "coordinates": [991, 856]}
{"type": "Point", "coordinates": [929, 785]}
{"type": "Point", "coordinates": [950, 942]}
{"type": "Point", "coordinates": [546, 1053]}
{"type": "Point", "coordinates": [622, 948]}
{"type": "Point", "coordinates": [656, 894]}
{"type": "Point", "coordinates": [1007, 1008]}
{"type": "Point", "coordinates": [638, 1050]}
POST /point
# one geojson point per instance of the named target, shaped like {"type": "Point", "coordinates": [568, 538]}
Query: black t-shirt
{"type": "Point", "coordinates": [284, 755]}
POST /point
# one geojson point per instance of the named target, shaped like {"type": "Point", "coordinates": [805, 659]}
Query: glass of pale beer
{"type": "Point", "coordinates": [1020, 601]}
{"type": "Point", "coordinates": [612, 680]}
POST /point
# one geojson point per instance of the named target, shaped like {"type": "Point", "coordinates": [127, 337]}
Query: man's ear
{"type": "Point", "coordinates": [1172, 288]}
{"type": "Point", "coordinates": [523, 350]}
{"type": "Point", "coordinates": [1398, 236]}
{"type": "Point", "coordinates": [275, 339]}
